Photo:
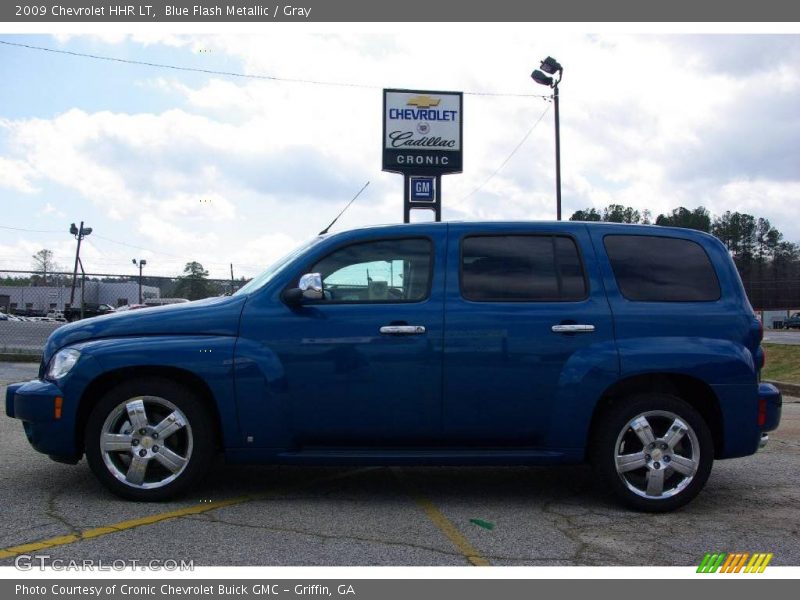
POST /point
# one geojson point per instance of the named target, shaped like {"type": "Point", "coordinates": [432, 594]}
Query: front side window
{"type": "Point", "coordinates": [661, 269]}
{"type": "Point", "coordinates": [521, 268]}
{"type": "Point", "coordinates": [379, 271]}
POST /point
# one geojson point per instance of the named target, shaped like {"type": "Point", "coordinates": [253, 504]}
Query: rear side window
{"type": "Point", "coordinates": [661, 269]}
{"type": "Point", "coordinates": [521, 268]}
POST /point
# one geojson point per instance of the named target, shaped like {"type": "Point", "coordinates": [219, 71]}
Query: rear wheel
{"type": "Point", "coordinates": [655, 451]}
{"type": "Point", "coordinates": [149, 439]}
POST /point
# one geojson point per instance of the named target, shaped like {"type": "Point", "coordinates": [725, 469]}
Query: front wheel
{"type": "Point", "coordinates": [149, 439]}
{"type": "Point", "coordinates": [654, 451]}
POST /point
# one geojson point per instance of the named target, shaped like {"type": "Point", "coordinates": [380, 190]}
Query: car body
{"type": "Point", "coordinates": [631, 347]}
{"type": "Point", "coordinates": [792, 322]}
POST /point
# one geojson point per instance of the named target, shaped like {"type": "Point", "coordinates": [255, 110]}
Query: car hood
{"type": "Point", "coordinates": [212, 316]}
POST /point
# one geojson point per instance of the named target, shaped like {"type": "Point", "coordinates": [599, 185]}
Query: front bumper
{"type": "Point", "coordinates": [40, 405]}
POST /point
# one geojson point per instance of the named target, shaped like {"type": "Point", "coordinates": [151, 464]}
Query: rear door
{"type": "Point", "coordinates": [529, 342]}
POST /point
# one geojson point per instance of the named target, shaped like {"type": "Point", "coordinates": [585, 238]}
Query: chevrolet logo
{"type": "Point", "coordinates": [423, 101]}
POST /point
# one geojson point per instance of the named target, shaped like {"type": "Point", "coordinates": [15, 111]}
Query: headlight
{"type": "Point", "coordinates": [62, 363]}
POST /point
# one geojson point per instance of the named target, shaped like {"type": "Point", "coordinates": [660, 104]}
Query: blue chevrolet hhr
{"type": "Point", "coordinates": [631, 347]}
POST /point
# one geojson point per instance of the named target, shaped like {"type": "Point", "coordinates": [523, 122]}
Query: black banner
{"type": "Point", "coordinates": [730, 588]}
{"type": "Point", "coordinates": [50, 11]}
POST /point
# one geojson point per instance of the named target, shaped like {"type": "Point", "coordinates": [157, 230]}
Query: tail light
{"type": "Point", "coordinates": [762, 412]}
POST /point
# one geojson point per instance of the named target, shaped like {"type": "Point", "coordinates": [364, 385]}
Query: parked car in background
{"type": "Point", "coordinates": [164, 301]}
{"type": "Point", "coordinates": [629, 347]}
{"type": "Point", "coordinates": [73, 313]}
{"type": "Point", "coordinates": [128, 307]}
{"type": "Point", "coordinates": [792, 322]}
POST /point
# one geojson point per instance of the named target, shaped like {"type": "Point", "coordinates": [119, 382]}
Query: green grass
{"type": "Point", "coordinates": [783, 363]}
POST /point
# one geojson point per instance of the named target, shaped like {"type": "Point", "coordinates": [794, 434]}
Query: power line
{"type": "Point", "coordinates": [136, 247]}
{"type": "Point", "coordinates": [32, 230]}
{"type": "Point", "coordinates": [274, 78]}
{"type": "Point", "coordinates": [508, 158]}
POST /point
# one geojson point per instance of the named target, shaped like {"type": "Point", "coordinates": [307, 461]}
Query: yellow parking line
{"type": "Point", "coordinates": [444, 524]}
{"type": "Point", "coordinates": [121, 526]}
{"type": "Point", "coordinates": [173, 514]}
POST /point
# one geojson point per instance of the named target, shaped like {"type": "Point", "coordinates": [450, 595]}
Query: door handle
{"type": "Point", "coordinates": [402, 329]}
{"type": "Point", "coordinates": [572, 328]}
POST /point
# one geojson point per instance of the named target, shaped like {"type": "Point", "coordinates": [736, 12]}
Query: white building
{"type": "Point", "coordinates": [46, 298]}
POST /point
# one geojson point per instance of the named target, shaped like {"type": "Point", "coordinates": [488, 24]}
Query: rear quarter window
{"type": "Point", "coordinates": [661, 269]}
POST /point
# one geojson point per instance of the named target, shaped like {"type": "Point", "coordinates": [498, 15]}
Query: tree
{"type": "Point", "coordinates": [613, 213]}
{"type": "Point", "coordinates": [738, 232]}
{"type": "Point", "coordinates": [616, 213]}
{"type": "Point", "coordinates": [43, 264]}
{"type": "Point", "coordinates": [699, 219]}
{"type": "Point", "coordinates": [590, 214]}
{"type": "Point", "coordinates": [193, 284]}
{"type": "Point", "coordinates": [767, 239]}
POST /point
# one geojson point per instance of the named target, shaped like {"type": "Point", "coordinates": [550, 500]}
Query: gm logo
{"type": "Point", "coordinates": [735, 562]}
{"type": "Point", "coordinates": [422, 189]}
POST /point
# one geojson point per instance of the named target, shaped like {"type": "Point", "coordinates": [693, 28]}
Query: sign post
{"type": "Point", "coordinates": [422, 140]}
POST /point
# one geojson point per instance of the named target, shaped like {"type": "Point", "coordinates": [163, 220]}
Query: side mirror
{"type": "Point", "coordinates": [309, 288]}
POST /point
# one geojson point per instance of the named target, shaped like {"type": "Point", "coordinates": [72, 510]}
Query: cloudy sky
{"type": "Point", "coordinates": [174, 166]}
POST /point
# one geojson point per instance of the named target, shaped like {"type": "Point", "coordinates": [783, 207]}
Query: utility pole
{"type": "Point", "coordinates": [558, 152]}
{"type": "Point", "coordinates": [79, 235]}
{"type": "Point", "coordinates": [553, 68]}
{"type": "Point", "coordinates": [232, 278]}
{"type": "Point", "coordinates": [141, 264]}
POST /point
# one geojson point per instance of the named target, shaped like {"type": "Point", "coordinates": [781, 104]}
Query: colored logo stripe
{"type": "Point", "coordinates": [735, 562]}
{"type": "Point", "coordinates": [711, 562]}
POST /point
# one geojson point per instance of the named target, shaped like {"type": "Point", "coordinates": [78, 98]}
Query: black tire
{"type": "Point", "coordinates": [192, 438]}
{"type": "Point", "coordinates": [614, 435]}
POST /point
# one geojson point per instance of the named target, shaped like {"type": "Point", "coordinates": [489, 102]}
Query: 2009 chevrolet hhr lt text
{"type": "Point", "coordinates": [631, 347]}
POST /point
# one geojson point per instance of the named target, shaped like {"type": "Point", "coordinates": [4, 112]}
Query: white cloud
{"type": "Point", "coordinates": [17, 175]}
{"type": "Point", "coordinates": [50, 211]}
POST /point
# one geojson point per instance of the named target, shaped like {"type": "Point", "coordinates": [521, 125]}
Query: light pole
{"type": "Point", "coordinates": [79, 233]}
{"type": "Point", "coordinates": [141, 264]}
{"type": "Point", "coordinates": [552, 67]}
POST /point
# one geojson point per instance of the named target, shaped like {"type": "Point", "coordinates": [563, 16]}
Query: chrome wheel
{"type": "Point", "coordinates": [657, 454]}
{"type": "Point", "coordinates": [146, 442]}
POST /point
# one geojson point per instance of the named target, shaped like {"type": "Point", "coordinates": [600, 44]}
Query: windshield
{"type": "Point", "coordinates": [275, 268]}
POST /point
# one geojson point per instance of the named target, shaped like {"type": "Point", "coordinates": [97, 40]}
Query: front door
{"type": "Point", "coordinates": [363, 366]}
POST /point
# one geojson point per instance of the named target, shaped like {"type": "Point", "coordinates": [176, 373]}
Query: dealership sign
{"type": "Point", "coordinates": [422, 132]}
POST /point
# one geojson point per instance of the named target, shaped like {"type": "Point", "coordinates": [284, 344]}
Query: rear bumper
{"type": "Point", "coordinates": [770, 404]}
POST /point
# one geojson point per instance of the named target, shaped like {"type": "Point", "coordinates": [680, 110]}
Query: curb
{"type": "Point", "coordinates": [19, 357]}
{"type": "Point", "coordinates": [789, 389]}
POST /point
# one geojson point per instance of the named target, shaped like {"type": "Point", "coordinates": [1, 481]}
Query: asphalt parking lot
{"type": "Point", "coordinates": [410, 516]}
